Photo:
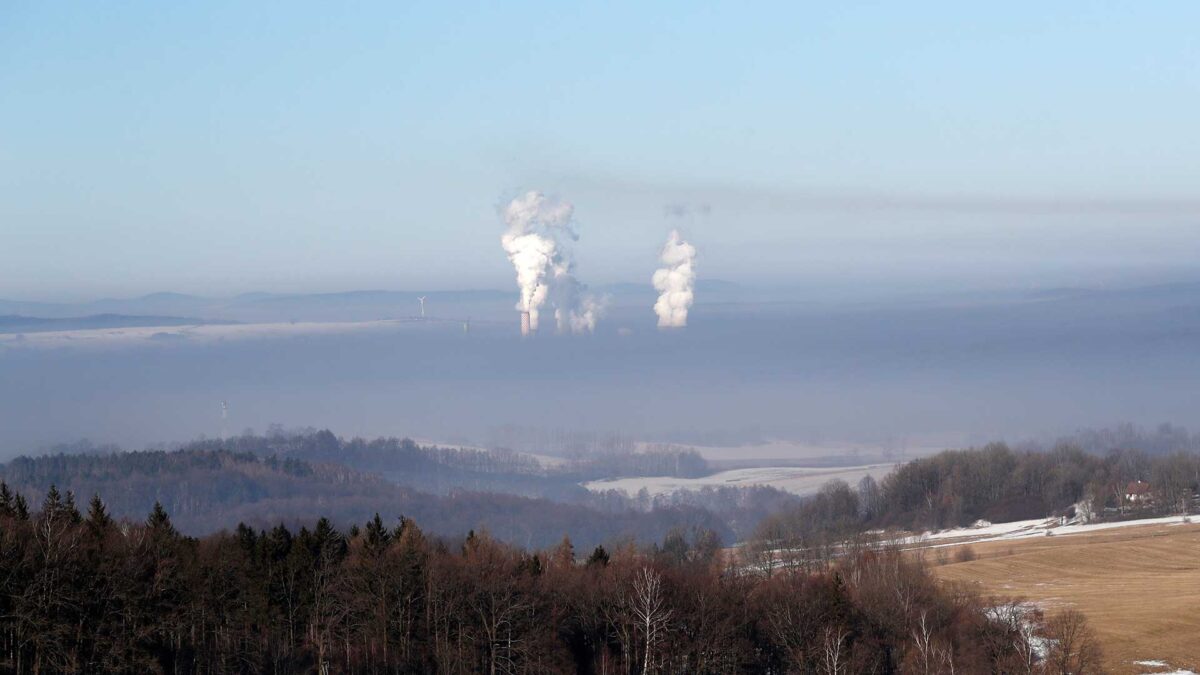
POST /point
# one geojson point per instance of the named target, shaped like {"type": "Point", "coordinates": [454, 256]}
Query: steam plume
{"type": "Point", "coordinates": [537, 242]}
{"type": "Point", "coordinates": [675, 282]}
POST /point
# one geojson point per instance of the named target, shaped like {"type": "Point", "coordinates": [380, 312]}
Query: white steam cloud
{"type": "Point", "coordinates": [538, 245]}
{"type": "Point", "coordinates": [676, 282]}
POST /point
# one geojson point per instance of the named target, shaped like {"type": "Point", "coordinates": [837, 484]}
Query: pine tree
{"type": "Point", "coordinates": [52, 506]}
{"type": "Point", "coordinates": [598, 557]}
{"type": "Point", "coordinates": [159, 521]}
{"type": "Point", "coordinates": [7, 509]}
{"type": "Point", "coordinates": [377, 536]}
{"type": "Point", "coordinates": [247, 539]}
{"type": "Point", "coordinates": [329, 544]}
{"type": "Point", "coordinates": [98, 520]}
{"type": "Point", "coordinates": [70, 510]}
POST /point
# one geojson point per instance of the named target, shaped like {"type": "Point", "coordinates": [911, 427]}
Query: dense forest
{"type": "Point", "coordinates": [998, 484]}
{"type": "Point", "coordinates": [85, 593]}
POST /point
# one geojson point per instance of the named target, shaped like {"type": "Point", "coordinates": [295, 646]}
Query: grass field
{"type": "Point", "coordinates": [1138, 586]}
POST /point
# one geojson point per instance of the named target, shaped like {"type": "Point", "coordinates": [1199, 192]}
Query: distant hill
{"type": "Point", "coordinates": [363, 305]}
{"type": "Point", "coordinates": [154, 304]}
{"type": "Point", "coordinates": [393, 300]}
{"type": "Point", "coordinates": [401, 461]}
{"type": "Point", "coordinates": [308, 306]}
{"type": "Point", "coordinates": [211, 490]}
{"type": "Point", "coordinates": [15, 323]}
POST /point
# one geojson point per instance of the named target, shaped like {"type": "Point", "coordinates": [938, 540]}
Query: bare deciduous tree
{"type": "Point", "coordinates": [833, 646]}
{"type": "Point", "coordinates": [1074, 649]}
{"type": "Point", "coordinates": [650, 611]}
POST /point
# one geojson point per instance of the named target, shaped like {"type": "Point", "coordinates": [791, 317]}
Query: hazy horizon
{"type": "Point", "coordinates": [1014, 367]}
{"type": "Point", "coordinates": [222, 148]}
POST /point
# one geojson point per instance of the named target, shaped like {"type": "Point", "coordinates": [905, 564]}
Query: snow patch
{"type": "Point", "coordinates": [1157, 663]}
{"type": "Point", "coordinates": [1023, 529]}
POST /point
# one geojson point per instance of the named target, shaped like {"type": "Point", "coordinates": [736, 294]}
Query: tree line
{"type": "Point", "coordinates": [995, 483]}
{"type": "Point", "coordinates": [87, 593]}
{"type": "Point", "coordinates": [443, 470]}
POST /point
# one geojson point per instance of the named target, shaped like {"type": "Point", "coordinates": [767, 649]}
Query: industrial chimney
{"type": "Point", "coordinates": [525, 330]}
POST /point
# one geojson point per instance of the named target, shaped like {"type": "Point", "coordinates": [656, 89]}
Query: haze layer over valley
{"type": "Point", "coordinates": [896, 374]}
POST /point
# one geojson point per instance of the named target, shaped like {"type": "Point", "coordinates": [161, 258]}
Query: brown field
{"type": "Point", "coordinates": [1138, 586]}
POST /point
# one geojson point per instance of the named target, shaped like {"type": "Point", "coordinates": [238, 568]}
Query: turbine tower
{"type": "Point", "coordinates": [421, 300]}
{"type": "Point", "coordinates": [224, 417]}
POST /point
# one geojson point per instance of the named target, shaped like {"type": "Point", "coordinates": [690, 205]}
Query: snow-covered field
{"type": "Point", "coordinates": [202, 333]}
{"type": "Point", "coordinates": [1023, 529]}
{"type": "Point", "coordinates": [780, 451]}
{"type": "Point", "coordinates": [797, 480]}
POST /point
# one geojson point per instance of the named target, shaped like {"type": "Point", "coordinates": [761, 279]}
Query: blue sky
{"type": "Point", "coordinates": [222, 147]}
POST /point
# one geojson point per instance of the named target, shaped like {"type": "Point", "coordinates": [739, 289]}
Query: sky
{"type": "Point", "coordinates": [225, 147]}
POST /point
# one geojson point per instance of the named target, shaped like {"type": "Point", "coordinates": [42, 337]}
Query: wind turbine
{"type": "Point", "coordinates": [421, 300]}
{"type": "Point", "coordinates": [224, 417]}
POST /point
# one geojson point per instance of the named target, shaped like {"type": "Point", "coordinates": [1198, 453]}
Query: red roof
{"type": "Point", "coordinates": [1137, 487]}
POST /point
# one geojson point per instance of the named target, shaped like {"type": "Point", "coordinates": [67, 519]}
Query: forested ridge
{"type": "Point", "coordinates": [443, 469]}
{"type": "Point", "coordinates": [298, 477]}
{"type": "Point", "coordinates": [210, 490]}
{"type": "Point", "coordinates": [86, 593]}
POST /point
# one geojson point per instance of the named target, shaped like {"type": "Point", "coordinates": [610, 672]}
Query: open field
{"type": "Point", "coordinates": [1139, 586]}
{"type": "Point", "coordinates": [797, 480]}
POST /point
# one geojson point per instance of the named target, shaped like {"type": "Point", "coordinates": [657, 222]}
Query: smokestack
{"type": "Point", "coordinates": [537, 242]}
{"type": "Point", "coordinates": [525, 330]}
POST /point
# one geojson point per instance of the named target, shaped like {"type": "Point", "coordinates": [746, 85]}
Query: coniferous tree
{"type": "Point", "coordinates": [7, 508]}
{"type": "Point", "coordinates": [144, 598]}
{"type": "Point", "coordinates": [52, 505]}
{"type": "Point", "coordinates": [599, 557]}
{"type": "Point", "coordinates": [70, 510]}
{"type": "Point", "coordinates": [377, 536]}
{"type": "Point", "coordinates": [98, 520]}
{"type": "Point", "coordinates": [159, 521]}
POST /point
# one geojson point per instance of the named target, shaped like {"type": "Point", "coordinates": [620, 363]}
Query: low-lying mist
{"type": "Point", "coordinates": [1014, 367]}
